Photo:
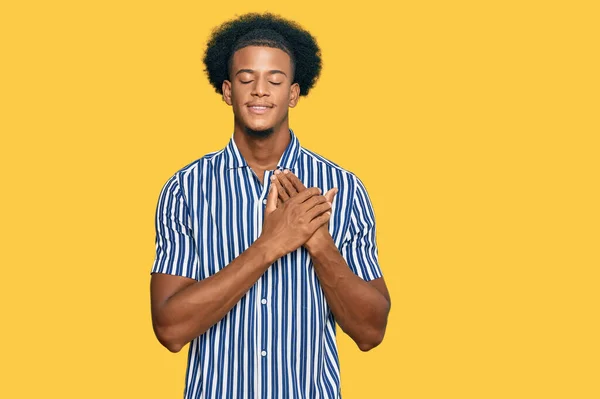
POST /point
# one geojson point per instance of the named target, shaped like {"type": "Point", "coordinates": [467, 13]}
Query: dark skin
{"type": "Point", "coordinates": [361, 308]}
{"type": "Point", "coordinates": [184, 308]}
{"type": "Point", "coordinates": [260, 92]}
{"type": "Point", "coordinates": [261, 76]}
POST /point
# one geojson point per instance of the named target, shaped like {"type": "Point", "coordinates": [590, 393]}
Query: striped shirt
{"type": "Point", "coordinates": [279, 340]}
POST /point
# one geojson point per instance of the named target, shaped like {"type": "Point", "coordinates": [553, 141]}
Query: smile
{"type": "Point", "coordinates": [258, 109]}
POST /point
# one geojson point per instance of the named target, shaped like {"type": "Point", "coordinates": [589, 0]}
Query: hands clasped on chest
{"type": "Point", "coordinates": [296, 215]}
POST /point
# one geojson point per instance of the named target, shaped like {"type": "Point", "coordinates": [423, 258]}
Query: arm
{"type": "Point", "coordinates": [183, 307]}
{"type": "Point", "coordinates": [360, 307]}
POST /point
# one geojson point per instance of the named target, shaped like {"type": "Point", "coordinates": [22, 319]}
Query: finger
{"type": "Point", "coordinates": [306, 194]}
{"type": "Point", "coordinates": [295, 180]}
{"type": "Point", "coordinates": [286, 183]}
{"type": "Point", "coordinates": [318, 210]}
{"type": "Point", "coordinates": [319, 221]}
{"type": "Point", "coordinates": [314, 201]}
{"type": "Point", "coordinates": [271, 199]}
{"type": "Point", "coordinates": [283, 195]}
{"type": "Point", "coordinates": [330, 194]}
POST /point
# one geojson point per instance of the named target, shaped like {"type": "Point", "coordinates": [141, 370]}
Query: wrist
{"type": "Point", "coordinates": [270, 252]}
{"type": "Point", "coordinates": [319, 243]}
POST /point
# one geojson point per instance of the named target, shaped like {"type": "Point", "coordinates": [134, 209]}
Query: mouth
{"type": "Point", "coordinates": [259, 109]}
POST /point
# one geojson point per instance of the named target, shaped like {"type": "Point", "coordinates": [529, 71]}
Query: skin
{"type": "Point", "coordinates": [184, 308]}
{"type": "Point", "coordinates": [261, 75]}
{"type": "Point", "coordinates": [361, 308]}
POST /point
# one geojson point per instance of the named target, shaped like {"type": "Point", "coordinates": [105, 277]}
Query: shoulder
{"type": "Point", "coordinates": [182, 179]}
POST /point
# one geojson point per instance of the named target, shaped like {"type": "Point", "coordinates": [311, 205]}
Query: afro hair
{"type": "Point", "coordinates": [267, 30]}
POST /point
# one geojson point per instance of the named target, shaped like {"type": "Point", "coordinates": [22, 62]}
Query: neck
{"type": "Point", "coordinates": [262, 152]}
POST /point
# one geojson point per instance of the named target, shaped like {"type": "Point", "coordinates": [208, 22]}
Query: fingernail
{"type": "Point", "coordinates": [273, 178]}
{"type": "Point", "coordinates": [286, 171]}
{"type": "Point", "coordinates": [277, 172]}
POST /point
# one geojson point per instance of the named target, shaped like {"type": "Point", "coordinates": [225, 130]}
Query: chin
{"type": "Point", "coordinates": [258, 126]}
{"type": "Point", "coordinates": [259, 132]}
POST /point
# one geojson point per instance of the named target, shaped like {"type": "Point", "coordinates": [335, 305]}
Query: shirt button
{"type": "Point", "coordinates": [263, 301]}
{"type": "Point", "coordinates": [265, 201]}
{"type": "Point", "coordinates": [263, 353]}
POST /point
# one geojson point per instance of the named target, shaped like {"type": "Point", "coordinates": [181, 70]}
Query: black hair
{"type": "Point", "coordinates": [267, 30]}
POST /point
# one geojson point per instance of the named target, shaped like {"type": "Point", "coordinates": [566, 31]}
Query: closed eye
{"type": "Point", "coordinates": [250, 81]}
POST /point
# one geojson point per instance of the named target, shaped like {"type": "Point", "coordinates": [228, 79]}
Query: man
{"type": "Point", "coordinates": [254, 266]}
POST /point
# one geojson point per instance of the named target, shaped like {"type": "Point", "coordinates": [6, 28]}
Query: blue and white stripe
{"type": "Point", "coordinates": [278, 341]}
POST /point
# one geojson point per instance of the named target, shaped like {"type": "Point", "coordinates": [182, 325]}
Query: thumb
{"type": "Point", "coordinates": [331, 194]}
{"type": "Point", "coordinates": [271, 199]}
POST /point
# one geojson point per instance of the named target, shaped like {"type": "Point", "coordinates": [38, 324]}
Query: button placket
{"type": "Point", "coordinates": [267, 180]}
{"type": "Point", "coordinates": [263, 313]}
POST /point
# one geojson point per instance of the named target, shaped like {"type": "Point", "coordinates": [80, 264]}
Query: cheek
{"type": "Point", "coordinates": [238, 102]}
{"type": "Point", "coordinates": [239, 92]}
{"type": "Point", "coordinates": [283, 98]}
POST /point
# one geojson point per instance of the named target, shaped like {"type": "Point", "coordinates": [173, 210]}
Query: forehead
{"type": "Point", "coordinates": [261, 58]}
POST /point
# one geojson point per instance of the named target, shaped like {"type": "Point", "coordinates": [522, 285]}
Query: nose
{"type": "Point", "coordinates": [260, 87]}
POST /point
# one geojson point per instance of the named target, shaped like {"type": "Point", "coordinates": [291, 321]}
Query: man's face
{"type": "Point", "coordinates": [261, 90]}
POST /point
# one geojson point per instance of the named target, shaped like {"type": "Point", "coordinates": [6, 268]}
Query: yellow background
{"type": "Point", "coordinates": [474, 126]}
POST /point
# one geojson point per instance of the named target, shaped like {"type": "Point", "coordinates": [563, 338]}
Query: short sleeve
{"type": "Point", "coordinates": [360, 246]}
{"type": "Point", "coordinates": [175, 247]}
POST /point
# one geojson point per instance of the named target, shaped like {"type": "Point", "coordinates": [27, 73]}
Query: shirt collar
{"type": "Point", "coordinates": [287, 161]}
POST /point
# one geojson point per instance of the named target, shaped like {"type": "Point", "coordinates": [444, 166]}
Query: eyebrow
{"type": "Point", "coordinates": [272, 71]}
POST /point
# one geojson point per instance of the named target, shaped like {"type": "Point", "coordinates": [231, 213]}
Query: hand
{"type": "Point", "coordinates": [289, 226]}
{"type": "Point", "coordinates": [288, 186]}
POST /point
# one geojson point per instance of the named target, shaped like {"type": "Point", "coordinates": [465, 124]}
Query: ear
{"type": "Point", "coordinates": [294, 95]}
{"type": "Point", "coordinates": [226, 89]}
